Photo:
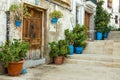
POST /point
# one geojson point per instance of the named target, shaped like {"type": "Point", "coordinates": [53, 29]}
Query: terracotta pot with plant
{"type": "Point", "coordinates": [12, 56]}
{"type": "Point", "coordinates": [59, 51]}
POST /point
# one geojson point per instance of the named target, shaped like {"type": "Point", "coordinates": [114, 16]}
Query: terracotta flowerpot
{"type": "Point", "coordinates": [58, 60]}
{"type": "Point", "coordinates": [15, 68]}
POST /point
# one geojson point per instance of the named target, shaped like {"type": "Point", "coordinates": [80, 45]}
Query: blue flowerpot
{"type": "Point", "coordinates": [24, 70]}
{"type": "Point", "coordinates": [54, 20]}
{"type": "Point", "coordinates": [79, 50]}
{"type": "Point", "coordinates": [18, 23]}
{"type": "Point", "coordinates": [105, 35]}
{"type": "Point", "coordinates": [71, 49]}
{"type": "Point", "coordinates": [36, 2]}
{"type": "Point", "coordinates": [99, 36]}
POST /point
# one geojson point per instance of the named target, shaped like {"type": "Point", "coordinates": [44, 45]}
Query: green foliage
{"type": "Point", "coordinates": [63, 47]}
{"type": "Point", "coordinates": [13, 51]}
{"type": "Point", "coordinates": [26, 11]}
{"type": "Point", "coordinates": [56, 14]}
{"type": "Point", "coordinates": [77, 36]}
{"type": "Point", "coordinates": [70, 36]}
{"type": "Point", "coordinates": [54, 52]}
{"type": "Point", "coordinates": [81, 32]}
{"type": "Point", "coordinates": [102, 18]}
{"type": "Point", "coordinates": [59, 48]}
{"type": "Point", "coordinates": [16, 10]}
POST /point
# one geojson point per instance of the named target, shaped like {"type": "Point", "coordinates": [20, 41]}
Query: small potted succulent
{"type": "Point", "coordinates": [55, 15]}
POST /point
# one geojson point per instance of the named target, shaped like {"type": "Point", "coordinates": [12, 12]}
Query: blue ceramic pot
{"type": "Point", "coordinates": [18, 23]}
{"type": "Point", "coordinates": [54, 20]}
{"type": "Point", "coordinates": [105, 35]}
{"type": "Point", "coordinates": [71, 49]}
{"type": "Point", "coordinates": [24, 70]}
{"type": "Point", "coordinates": [36, 2]}
{"type": "Point", "coordinates": [79, 50]}
{"type": "Point", "coordinates": [99, 36]}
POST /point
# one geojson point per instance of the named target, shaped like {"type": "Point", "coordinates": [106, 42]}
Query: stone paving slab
{"type": "Point", "coordinates": [68, 72]}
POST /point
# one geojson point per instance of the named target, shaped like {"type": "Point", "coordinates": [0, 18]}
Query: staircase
{"type": "Point", "coordinates": [99, 53]}
{"type": "Point", "coordinates": [114, 35]}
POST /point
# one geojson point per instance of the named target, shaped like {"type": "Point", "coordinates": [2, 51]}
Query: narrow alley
{"type": "Point", "coordinates": [68, 72]}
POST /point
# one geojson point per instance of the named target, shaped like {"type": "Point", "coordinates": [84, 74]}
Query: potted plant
{"type": "Point", "coordinates": [12, 55]}
{"type": "Point", "coordinates": [102, 19]}
{"type": "Point", "coordinates": [59, 51]}
{"type": "Point", "coordinates": [70, 37]}
{"type": "Point", "coordinates": [18, 12]}
{"type": "Point", "coordinates": [80, 40]}
{"type": "Point", "coordinates": [55, 15]}
{"type": "Point", "coordinates": [106, 28]}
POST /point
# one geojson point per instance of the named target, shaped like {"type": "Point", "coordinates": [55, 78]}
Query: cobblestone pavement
{"type": "Point", "coordinates": [67, 72]}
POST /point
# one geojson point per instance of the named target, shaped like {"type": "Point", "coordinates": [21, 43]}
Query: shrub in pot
{"type": "Point", "coordinates": [12, 55]}
{"type": "Point", "coordinates": [58, 51]}
{"type": "Point", "coordinates": [80, 40]}
{"type": "Point", "coordinates": [70, 37]}
{"type": "Point", "coordinates": [102, 19]}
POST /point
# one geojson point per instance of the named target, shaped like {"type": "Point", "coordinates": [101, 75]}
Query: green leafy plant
{"type": "Point", "coordinates": [26, 12]}
{"type": "Point", "coordinates": [70, 36]}
{"type": "Point", "coordinates": [13, 51]}
{"type": "Point", "coordinates": [81, 32]}
{"type": "Point", "coordinates": [56, 14]}
{"type": "Point", "coordinates": [59, 48]}
{"type": "Point", "coordinates": [54, 52]}
{"type": "Point", "coordinates": [102, 18]}
{"type": "Point", "coordinates": [17, 11]}
{"type": "Point", "coordinates": [63, 47]}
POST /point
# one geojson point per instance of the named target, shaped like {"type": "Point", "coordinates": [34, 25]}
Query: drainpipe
{"type": "Point", "coordinates": [7, 24]}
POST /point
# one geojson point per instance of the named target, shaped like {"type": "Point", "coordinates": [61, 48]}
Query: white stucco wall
{"type": "Point", "coordinates": [115, 8]}
{"type": "Point", "coordinates": [80, 11]}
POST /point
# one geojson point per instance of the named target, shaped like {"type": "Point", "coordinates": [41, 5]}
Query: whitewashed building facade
{"type": "Point", "coordinates": [74, 11]}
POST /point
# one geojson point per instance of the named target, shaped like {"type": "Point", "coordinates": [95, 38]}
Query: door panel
{"type": "Point", "coordinates": [32, 31]}
{"type": "Point", "coordinates": [87, 19]}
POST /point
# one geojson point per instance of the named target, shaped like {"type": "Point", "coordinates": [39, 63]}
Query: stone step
{"type": "Point", "coordinates": [94, 63]}
{"type": "Point", "coordinates": [107, 47]}
{"type": "Point", "coordinates": [94, 59]}
{"type": "Point", "coordinates": [114, 35]}
{"type": "Point", "coordinates": [99, 47]}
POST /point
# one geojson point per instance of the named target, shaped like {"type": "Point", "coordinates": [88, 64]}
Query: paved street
{"type": "Point", "coordinates": [67, 72]}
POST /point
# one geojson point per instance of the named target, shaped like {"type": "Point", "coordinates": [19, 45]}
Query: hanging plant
{"type": "Point", "coordinates": [55, 15]}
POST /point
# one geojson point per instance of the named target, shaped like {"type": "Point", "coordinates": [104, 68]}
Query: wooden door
{"type": "Point", "coordinates": [87, 19]}
{"type": "Point", "coordinates": [32, 30]}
